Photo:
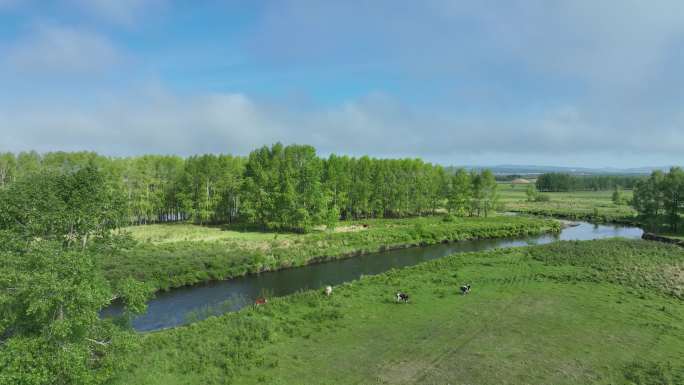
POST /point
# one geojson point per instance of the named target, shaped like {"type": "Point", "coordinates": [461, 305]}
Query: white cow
{"type": "Point", "coordinates": [328, 290]}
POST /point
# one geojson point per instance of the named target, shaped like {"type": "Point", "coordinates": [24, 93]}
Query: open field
{"type": "Point", "coordinates": [600, 312]}
{"type": "Point", "coordinates": [596, 206]}
{"type": "Point", "coordinates": [176, 255]}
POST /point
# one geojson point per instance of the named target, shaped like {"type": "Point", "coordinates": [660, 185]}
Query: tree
{"type": "Point", "coordinates": [531, 193]}
{"type": "Point", "coordinates": [661, 195]}
{"type": "Point", "coordinates": [617, 195]}
{"type": "Point", "coordinates": [361, 188]}
{"type": "Point", "coordinates": [648, 198]}
{"type": "Point", "coordinates": [72, 207]}
{"type": "Point", "coordinates": [7, 168]}
{"type": "Point", "coordinates": [284, 186]}
{"type": "Point", "coordinates": [490, 194]}
{"type": "Point", "coordinates": [277, 187]}
{"type": "Point", "coordinates": [458, 202]}
{"type": "Point", "coordinates": [337, 184]}
{"type": "Point", "coordinates": [672, 187]}
{"type": "Point", "coordinates": [50, 329]}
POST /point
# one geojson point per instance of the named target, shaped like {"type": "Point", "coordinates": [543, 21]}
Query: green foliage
{"type": "Point", "coordinates": [582, 205]}
{"type": "Point", "coordinates": [617, 197]}
{"type": "Point", "coordinates": [71, 207]}
{"type": "Point", "coordinates": [177, 262]}
{"type": "Point", "coordinates": [460, 192]}
{"type": "Point", "coordinates": [50, 298]}
{"type": "Point", "coordinates": [531, 193]}
{"type": "Point", "coordinates": [661, 195]}
{"type": "Point", "coordinates": [535, 196]}
{"type": "Point", "coordinates": [285, 189]}
{"type": "Point", "coordinates": [560, 182]}
{"type": "Point", "coordinates": [279, 187]}
{"type": "Point", "coordinates": [547, 311]}
{"type": "Point", "coordinates": [51, 293]}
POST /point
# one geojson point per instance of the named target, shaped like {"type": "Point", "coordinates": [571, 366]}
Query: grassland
{"type": "Point", "coordinates": [598, 312]}
{"type": "Point", "coordinates": [595, 206]}
{"type": "Point", "coordinates": [166, 256]}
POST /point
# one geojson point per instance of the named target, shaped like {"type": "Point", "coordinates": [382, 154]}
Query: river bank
{"type": "Point", "coordinates": [191, 303]}
{"type": "Point", "coordinates": [177, 263]}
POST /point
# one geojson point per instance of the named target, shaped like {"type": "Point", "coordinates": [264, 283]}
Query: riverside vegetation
{"type": "Point", "coordinates": [174, 255]}
{"type": "Point", "coordinates": [594, 206]}
{"type": "Point", "coordinates": [600, 312]}
{"type": "Point", "coordinates": [656, 202]}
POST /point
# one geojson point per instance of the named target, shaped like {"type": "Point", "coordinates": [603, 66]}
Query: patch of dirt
{"type": "Point", "coordinates": [351, 228]}
{"type": "Point", "coordinates": [675, 274]}
{"type": "Point", "coordinates": [401, 372]}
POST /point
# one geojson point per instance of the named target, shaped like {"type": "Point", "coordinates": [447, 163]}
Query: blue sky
{"type": "Point", "coordinates": [576, 82]}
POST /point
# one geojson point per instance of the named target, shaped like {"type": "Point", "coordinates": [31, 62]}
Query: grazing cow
{"type": "Point", "coordinates": [465, 289]}
{"type": "Point", "coordinates": [260, 301]}
{"type": "Point", "coordinates": [402, 297]}
{"type": "Point", "coordinates": [328, 290]}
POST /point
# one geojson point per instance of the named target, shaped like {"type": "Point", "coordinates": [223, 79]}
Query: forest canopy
{"type": "Point", "coordinates": [278, 187]}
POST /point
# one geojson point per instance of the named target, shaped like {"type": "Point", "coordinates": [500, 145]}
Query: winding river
{"type": "Point", "coordinates": [187, 304]}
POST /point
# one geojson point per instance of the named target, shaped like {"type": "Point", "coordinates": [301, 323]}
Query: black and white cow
{"type": "Point", "coordinates": [465, 289]}
{"type": "Point", "coordinates": [402, 297]}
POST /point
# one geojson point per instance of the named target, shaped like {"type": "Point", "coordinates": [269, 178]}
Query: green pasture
{"type": "Point", "coordinates": [598, 312]}
{"type": "Point", "coordinates": [595, 206]}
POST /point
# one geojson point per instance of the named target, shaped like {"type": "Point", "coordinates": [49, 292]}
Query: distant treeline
{"type": "Point", "coordinates": [561, 182]}
{"type": "Point", "coordinates": [277, 187]}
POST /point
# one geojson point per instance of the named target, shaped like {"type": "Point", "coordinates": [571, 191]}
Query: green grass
{"type": "Point", "coordinates": [176, 255]}
{"type": "Point", "coordinates": [182, 232]}
{"type": "Point", "coordinates": [598, 312]}
{"type": "Point", "coordinates": [595, 206]}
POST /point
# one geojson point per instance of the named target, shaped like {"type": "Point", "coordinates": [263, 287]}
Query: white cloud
{"type": "Point", "coordinates": [162, 122]}
{"type": "Point", "coordinates": [552, 81]}
{"type": "Point", "coordinates": [55, 50]}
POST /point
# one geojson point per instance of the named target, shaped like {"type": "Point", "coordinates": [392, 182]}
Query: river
{"type": "Point", "coordinates": [187, 304]}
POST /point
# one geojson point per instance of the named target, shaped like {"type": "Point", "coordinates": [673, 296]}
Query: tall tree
{"type": "Point", "coordinates": [50, 329]}
{"type": "Point", "coordinates": [648, 199]}
{"type": "Point", "coordinates": [490, 194]}
{"type": "Point", "coordinates": [673, 194]}
{"type": "Point", "coordinates": [459, 193]}
{"type": "Point", "coordinates": [8, 165]}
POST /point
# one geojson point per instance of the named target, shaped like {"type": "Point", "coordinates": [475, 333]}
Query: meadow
{"type": "Point", "coordinates": [599, 312]}
{"type": "Point", "coordinates": [594, 206]}
{"type": "Point", "coordinates": [166, 256]}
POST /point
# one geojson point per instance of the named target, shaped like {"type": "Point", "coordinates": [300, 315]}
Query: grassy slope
{"type": "Point", "coordinates": [176, 255]}
{"type": "Point", "coordinates": [586, 205]}
{"type": "Point", "coordinates": [606, 312]}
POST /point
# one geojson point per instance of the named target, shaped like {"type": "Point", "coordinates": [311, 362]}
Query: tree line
{"type": "Point", "coordinates": [661, 195]}
{"type": "Point", "coordinates": [278, 187]}
{"type": "Point", "coordinates": [562, 182]}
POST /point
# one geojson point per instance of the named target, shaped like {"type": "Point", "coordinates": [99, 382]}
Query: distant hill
{"type": "Point", "coordinates": [536, 170]}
